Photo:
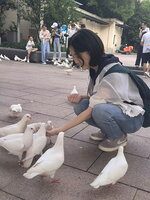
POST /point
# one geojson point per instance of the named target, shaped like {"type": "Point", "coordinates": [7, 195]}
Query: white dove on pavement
{"type": "Point", "coordinates": [17, 145]}
{"type": "Point", "coordinates": [39, 142]}
{"type": "Point", "coordinates": [74, 91]}
{"type": "Point", "coordinates": [2, 57]}
{"type": "Point", "coordinates": [113, 171]}
{"type": "Point", "coordinates": [24, 60]}
{"type": "Point", "coordinates": [68, 71]}
{"type": "Point", "coordinates": [15, 110]}
{"type": "Point", "coordinates": [16, 58]}
{"type": "Point", "coordinates": [50, 161]}
{"type": "Point", "coordinates": [16, 128]}
{"type": "Point", "coordinates": [6, 58]}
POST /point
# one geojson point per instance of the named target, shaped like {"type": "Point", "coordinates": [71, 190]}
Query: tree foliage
{"type": "Point", "coordinates": [119, 9]}
{"type": "Point", "coordinates": [141, 14]}
{"type": "Point", "coordinates": [48, 11]}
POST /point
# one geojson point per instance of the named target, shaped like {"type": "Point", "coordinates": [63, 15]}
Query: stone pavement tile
{"type": "Point", "coordinates": [12, 93]}
{"type": "Point", "coordinates": [8, 167]}
{"type": "Point", "coordinates": [12, 86]}
{"type": "Point", "coordinates": [138, 145]}
{"type": "Point", "coordinates": [55, 100]}
{"type": "Point", "coordinates": [141, 195]}
{"type": "Point", "coordinates": [145, 132]}
{"type": "Point", "coordinates": [8, 101]}
{"type": "Point", "coordinates": [40, 91]}
{"type": "Point", "coordinates": [71, 116]}
{"type": "Point", "coordinates": [84, 135]}
{"type": "Point", "coordinates": [6, 196]}
{"type": "Point", "coordinates": [43, 99]}
{"type": "Point", "coordinates": [138, 172]}
{"type": "Point", "coordinates": [48, 109]}
{"type": "Point", "coordinates": [79, 154]}
{"type": "Point", "coordinates": [74, 184]}
{"type": "Point", "coordinates": [75, 130]}
{"type": "Point", "coordinates": [37, 117]}
{"type": "Point", "coordinates": [66, 105]}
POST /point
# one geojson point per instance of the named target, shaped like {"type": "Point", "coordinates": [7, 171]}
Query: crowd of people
{"type": "Point", "coordinates": [55, 38]}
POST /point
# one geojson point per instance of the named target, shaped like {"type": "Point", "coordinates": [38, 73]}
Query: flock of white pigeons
{"type": "Point", "coordinates": [28, 140]}
{"type": "Point", "coordinates": [64, 64]}
{"type": "Point", "coordinates": [16, 58]}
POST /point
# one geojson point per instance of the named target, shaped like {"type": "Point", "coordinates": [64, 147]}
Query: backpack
{"type": "Point", "coordinates": [142, 87]}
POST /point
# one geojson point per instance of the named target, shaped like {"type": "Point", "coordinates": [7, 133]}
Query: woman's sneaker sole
{"type": "Point", "coordinates": [106, 149]}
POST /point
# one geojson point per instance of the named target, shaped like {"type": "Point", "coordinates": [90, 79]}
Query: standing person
{"type": "Point", "coordinates": [71, 31]}
{"type": "Point", "coordinates": [45, 44]}
{"type": "Point", "coordinates": [145, 42]}
{"type": "Point", "coordinates": [143, 29]}
{"type": "Point", "coordinates": [116, 109]}
{"type": "Point", "coordinates": [30, 47]}
{"type": "Point", "coordinates": [56, 34]}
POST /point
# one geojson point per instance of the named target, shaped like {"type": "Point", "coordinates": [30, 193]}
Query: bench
{"type": "Point", "coordinates": [21, 53]}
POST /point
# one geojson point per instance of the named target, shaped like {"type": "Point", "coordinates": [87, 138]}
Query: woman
{"type": "Point", "coordinates": [56, 34]}
{"type": "Point", "coordinates": [113, 103]}
{"type": "Point", "coordinates": [44, 36]}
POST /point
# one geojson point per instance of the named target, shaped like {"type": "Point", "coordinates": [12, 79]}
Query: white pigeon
{"type": "Point", "coordinates": [55, 62]}
{"type": "Point", "coordinates": [68, 71]}
{"type": "Point", "coordinates": [39, 142]}
{"type": "Point", "coordinates": [113, 171]}
{"type": "Point", "coordinates": [15, 110]}
{"type": "Point", "coordinates": [50, 161]}
{"type": "Point", "coordinates": [37, 125]}
{"type": "Point", "coordinates": [6, 58]}
{"type": "Point", "coordinates": [17, 145]}
{"type": "Point", "coordinates": [74, 91]}
{"type": "Point", "coordinates": [2, 57]}
{"type": "Point", "coordinates": [24, 60]}
{"type": "Point", "coordinates": [19, 127]}
{"type": "Point", "coordinates": [49, 126]}
{"type": "Point", "coordinates": [16, 58]}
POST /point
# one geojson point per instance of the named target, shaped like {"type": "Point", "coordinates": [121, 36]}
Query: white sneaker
{"type": "Point", "coordinates": [44, 63]}
{"type": "Point", "coordinates": [147, 73]}
{"type": "Point", "coordinates": [28, 61]}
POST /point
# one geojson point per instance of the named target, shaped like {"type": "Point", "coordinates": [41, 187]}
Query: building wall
{"type": "Point", "coordinates": [110, 34]}
{"type": "Point", "coordinates": [24, 25]}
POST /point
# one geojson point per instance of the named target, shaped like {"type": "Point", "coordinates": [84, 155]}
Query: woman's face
{"type": "Point", "coordinates": [83, 60]}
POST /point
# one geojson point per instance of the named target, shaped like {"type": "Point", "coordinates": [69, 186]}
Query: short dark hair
{"type": "Point", "coordinates": [87, 40]}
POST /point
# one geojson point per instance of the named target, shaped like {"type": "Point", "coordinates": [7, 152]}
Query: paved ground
{"type": "Point", "coordinates": [42, 91]}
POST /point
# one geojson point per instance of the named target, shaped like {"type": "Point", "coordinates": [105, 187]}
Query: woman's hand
{"type": "Point", "coordinates": [53, 132]}
{"type": "Point", "coordinates": [74, 98]}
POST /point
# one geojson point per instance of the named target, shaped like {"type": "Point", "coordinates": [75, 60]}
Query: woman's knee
{"type": "Point", "coordinates": [101, 112]}
{"type": "Point", "coordinates": [81, 106]}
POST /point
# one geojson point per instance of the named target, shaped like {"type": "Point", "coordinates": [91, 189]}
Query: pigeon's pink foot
{"type": "Point", "coordinates": [55, 181]}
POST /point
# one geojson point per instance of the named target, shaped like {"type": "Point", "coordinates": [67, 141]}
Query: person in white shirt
{"type": "Point", "coordinates": [30, 47]}
{"type": "Point", "coordinates": [44, 36]}
{"type": "Point", "coordinates": [71, 31]}
{"type": "Point", "coordinates": [145, 42]}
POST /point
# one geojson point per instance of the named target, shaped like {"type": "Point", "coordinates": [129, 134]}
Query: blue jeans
{"type": "Point", "coordinates": [110, 119]}
{"type": "Point", "coordinates": [57, 47]}
{"type": "Point", "coordinates": [45, 50]}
